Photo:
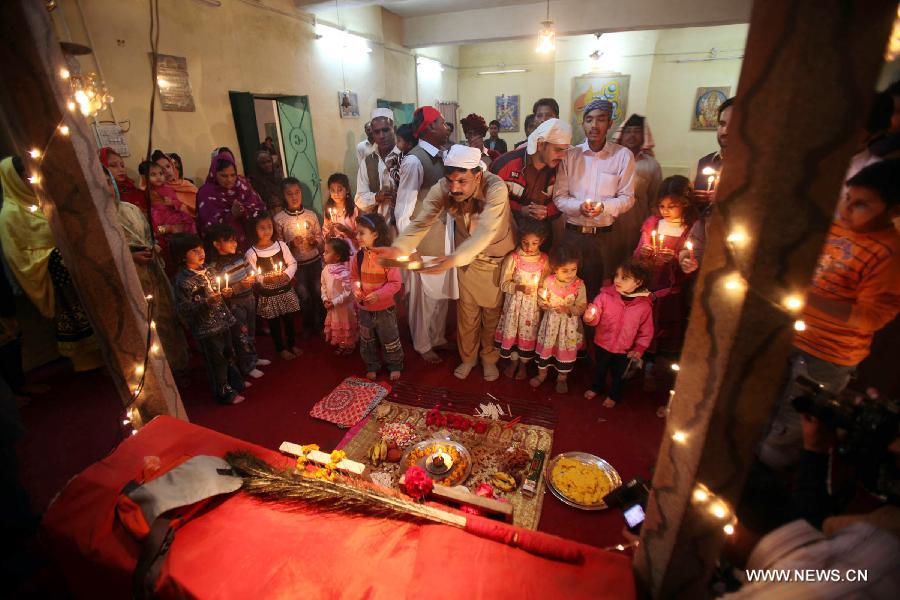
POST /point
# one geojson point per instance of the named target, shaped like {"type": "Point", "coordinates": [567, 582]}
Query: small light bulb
{"type": "Point", "coordinates": [620, 547]}
{"type": "Point", "coordinates": [139, 370]}
{"type": "Point", "coordinates": [800, 325]}
{"type": "Point", "coordinates": [737, 237]}
{"type": "Point", "coordinates": [148, 297]}
{"type": "Point", "coordinates": [679, 437]}
{"type": "Point", "coordinates": [718, 510]}
{"type": "Point", "coordinates": [152, 324]}
{"type": "Point", "coordinates": [34, 153]}
{"type": "Point", "coordinates": [34, 179]}
{"type": "Point", "coordinates": [71, 105]}
{"type": "Point", "coordinates": [154, 348]}
{"type": "Point", "coordinates": [64, 129]}
{"type": "Point", "coordinates": [134, 432]}
{"type": "Point", "coordinates": [126, 422]}
{"type": "Point", "coordinates": [64, 73]}
{"type": "Point", "coordinates": [675, 367]}
{"type": "Point", "coordinates": [33, 208]}
{"type": "Point", "coordinates": [729, 529]}
{"type": "Point", "coordinates": [793, 302]}
{"type": "Point", "coordinates": [701, 495]}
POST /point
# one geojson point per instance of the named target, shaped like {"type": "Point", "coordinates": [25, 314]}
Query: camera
{"type": "Point", "coordinates": [866, 427]}
{"type": "Point", "coordinates": [631, 497]}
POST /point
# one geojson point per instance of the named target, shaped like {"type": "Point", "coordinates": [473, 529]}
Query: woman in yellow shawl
{"type": "Point", "coordinates": [37, 266]}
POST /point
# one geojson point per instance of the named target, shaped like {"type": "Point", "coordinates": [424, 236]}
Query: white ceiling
{"type": "Point", "coordinates": [412, 8]}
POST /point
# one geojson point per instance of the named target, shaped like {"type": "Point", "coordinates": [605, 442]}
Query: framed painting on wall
{"type": "Point", "coordinates": [587, 88]}
{"type": "Point", "coordinates": [705, 112]}
{"type": "Point", "coordinates": [348, 104]}
{"type": "Point", "coordinates": [508, 112]}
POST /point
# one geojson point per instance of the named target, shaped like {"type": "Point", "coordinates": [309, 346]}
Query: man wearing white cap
{"type": "Point", "coordinates": [530, 172]}
{"type": "Point", "coordinates": [376, 189]}
{"type": "Point", "coordinates": [429, 295]}
{"type": "Point", "coordinates": [477, 204]}
{"type": "Point", "coordinates": [594, 185]}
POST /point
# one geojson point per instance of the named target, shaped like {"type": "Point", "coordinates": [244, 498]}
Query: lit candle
{"type": "Point", "coordinates": [331, 214]}
{"type": "Point", "coordinates": [218, 284]}
{"type": "Point", "coordinates": [662, 238]}
{"type": "Point", "coordinates": [403, 258]}
{"type": "Point", "coordinates": [544, 294]}
{"type": "Point", "coordinates": [690, 246]}
{"type": "Point", "coordinates": [226, 281]}
{"type": "Point", "coordinates": [306, 226]}
{"type": "Point", "coordinates": [710, 182]}
{"type": "Point", "coordinates": [653, 240]}
{"type": "Point", "coordinates": [591, 312]}
{"type": "Point", "coordinates": [259, 271]}
{"type": "Point", "coordinates": [589, 204]}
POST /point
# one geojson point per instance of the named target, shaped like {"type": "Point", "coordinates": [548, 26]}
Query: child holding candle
{"type": "Point", "coordinates": [238, 277]}
{"type": "Point", "coordinates": [299, 229]}
{"type": "Point", "coordinates": [622, 317]}
{"type": "Point", "coordinates": [203, 309]}
{"type": "Point", "coordinates": [340, 211]}
{"type": "Point", "coordinates": [663, 245]}
{"type": "Point", "coordinates": [277, 302]}
{"type": "Point", "coordinates": [337, 296]}
{"type": "Point", "coordinates": [520, 277]}
{"type": "Point", "coordinates": [561, 336]}
{"type": "Point", "coordinates": [374, 287]}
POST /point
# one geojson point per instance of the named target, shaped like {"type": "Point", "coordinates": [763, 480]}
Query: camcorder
{"type": "Point", "coordinates": [631, 497]}
{"type": "Point", "coordinates": [865, 428]}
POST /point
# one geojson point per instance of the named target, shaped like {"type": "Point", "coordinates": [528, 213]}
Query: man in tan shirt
{"type": "Point", "coordinates": [484, 234]}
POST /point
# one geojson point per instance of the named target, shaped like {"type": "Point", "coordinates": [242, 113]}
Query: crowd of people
{"type": "Point", "coordinates": [542, 245]}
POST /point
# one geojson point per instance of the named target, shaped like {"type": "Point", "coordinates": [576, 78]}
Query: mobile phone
{"type": "Point", "coordinates": [634, 517]}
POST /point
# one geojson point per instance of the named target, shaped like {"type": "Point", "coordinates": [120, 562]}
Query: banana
{"type": "Point", "coordinates": [504, 481]}
{"type": "Point", "coordinates": [382, 450]}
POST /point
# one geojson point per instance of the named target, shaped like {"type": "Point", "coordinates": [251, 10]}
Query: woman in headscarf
{"type": "Point", "coordinates": [128, 191]}
{"type": "Point", "coordinates": [184, 189]}
{"type": "Point", "coordinates": [150, 269]}
{"type": "Point", "coordinates": [267, 182]}
{"type": "Point", "coordinates": [228, 198]}
{"type": "Point", "coordinates": [36, 263]}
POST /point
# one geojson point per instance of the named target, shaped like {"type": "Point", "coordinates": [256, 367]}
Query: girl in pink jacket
{"type": "Point", "coordinates": [623, 316]}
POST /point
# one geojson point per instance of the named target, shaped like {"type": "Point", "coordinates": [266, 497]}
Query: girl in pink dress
{"type": "Point", "coordinates": [563, 299]}
{"type": "Point", "coordinates": [170, 216]}
{"type": "Point", "coordinates": [337, 295]}
{"type": "Point", "coordinates": [520, 277]}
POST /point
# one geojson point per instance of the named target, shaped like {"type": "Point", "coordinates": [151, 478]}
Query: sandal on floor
{"type": "Point", "coordinates": [609, 403]}
{"type": "Point", "coordinates": [590, 394]}
{"type": "Point", "coordinates": [395, 375]}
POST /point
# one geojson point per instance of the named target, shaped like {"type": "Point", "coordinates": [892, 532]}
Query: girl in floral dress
{"type": "Point", "coordinates": [341, 329]}
{"type": "Point", "coordinates": [520, 276]}
{"type": "Point", "coordinates": [563, 299]}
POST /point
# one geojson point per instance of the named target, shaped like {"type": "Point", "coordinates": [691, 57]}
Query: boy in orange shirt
{"type": "Point", "coordinates": [855, 291]}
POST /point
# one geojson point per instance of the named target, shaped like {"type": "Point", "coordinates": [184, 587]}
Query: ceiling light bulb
{"type": "Point", "coordinates": [546, 38]}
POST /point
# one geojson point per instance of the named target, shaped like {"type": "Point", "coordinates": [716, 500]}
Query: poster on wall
{"type": "Point", "coordinates": [508, 112]}
{"type": "Point", "coordinates": [348, 105]}
{"type": "Point", "coordinates": [587, 88]}
{"type": "Point", "coordinates": [174, 85]}
{"type": "Point", "coordinates": [705, 112]}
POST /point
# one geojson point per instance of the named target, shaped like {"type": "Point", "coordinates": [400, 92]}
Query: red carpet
{"type": "Point", "coordinates": [79, 422]}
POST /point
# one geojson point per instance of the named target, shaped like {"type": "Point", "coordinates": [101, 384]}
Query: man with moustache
{"type": "Point", "coordinates": [477, 205]}
{"type": "Point", "coordinates": [594, 185]}
{"type": "Point", "coordinates": [376, 189]}
{"type": "Point", "coordinates": [713, 159]}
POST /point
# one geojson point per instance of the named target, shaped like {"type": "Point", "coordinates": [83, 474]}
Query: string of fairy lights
{"type": "Point", "coordinates": [733, 283]}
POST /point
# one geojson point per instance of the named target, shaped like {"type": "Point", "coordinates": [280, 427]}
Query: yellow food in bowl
{"type": "Point", "coordinates": [580, 482]}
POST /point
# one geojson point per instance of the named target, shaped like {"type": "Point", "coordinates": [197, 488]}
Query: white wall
{"type": "Point", "coordinates": [660, 88]}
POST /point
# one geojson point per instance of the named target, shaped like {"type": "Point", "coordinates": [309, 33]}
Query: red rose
{"type": "Point", "coordinates": [480, 427]}
{"type": "Point", "coordinates": [417, 482]}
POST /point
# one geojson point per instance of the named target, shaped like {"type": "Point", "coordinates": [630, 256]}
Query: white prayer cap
{"type": "Point", "coordinates": [554, 131]}
{"type": "Point", "coordinates": [382, 113]}
{"type": "Point", "coordinates": [463, 157]}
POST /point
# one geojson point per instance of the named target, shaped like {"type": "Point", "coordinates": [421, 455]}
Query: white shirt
{"type": "Point", "coordinates": [363, 149]}
{"type": "Point", "coordinates": [798, 546]}
{"type": "Point", "coordinates": [606, 176]}
{"type": "Point", "coordinates": [290, 263]}
{"type": "Point", "coordinates": [364, 198]}
{"type": "Point", "coordinates": [411, 175]}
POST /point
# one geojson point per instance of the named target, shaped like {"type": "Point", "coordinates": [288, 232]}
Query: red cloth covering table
{"type": "Point", "coordinates": [245, 548]}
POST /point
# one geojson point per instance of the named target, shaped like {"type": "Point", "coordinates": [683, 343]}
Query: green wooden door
{"type": "Point", "coordinates": [245, 128]}
{"type": "Point", "coordinates": [403, 112]}
{"type": "Point", "coordinates": [300, 148]}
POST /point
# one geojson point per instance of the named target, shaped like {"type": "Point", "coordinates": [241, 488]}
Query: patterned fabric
{"type": "Point", "coordinates": [349, 402]}
{"type": "Point", "coordinates": [214, 203]}
{"type": "Point", "coordinates": [276, 294]}
{"type": "Point", "coordinates": [204, 319]}
{"type": "Point", "coordinates": [517, 330]}
{"type": "Point", "coordinates": [526, 185]}
{"type": "Point", "coordinates": [561, 336]}
{"type": "Point", "coordinates": [74, 334]}
{"type": "Point", "coordinates": [340, 321]}
{"type": "Point", "coordinates": [290, 224]}
{"type": "Point", "coordinates": [238, 269]}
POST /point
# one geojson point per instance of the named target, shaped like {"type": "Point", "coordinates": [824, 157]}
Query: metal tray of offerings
{"type": "Point", "coordinates": [447, 462]}
{"type": "Point", "coordinates": [581, 480]}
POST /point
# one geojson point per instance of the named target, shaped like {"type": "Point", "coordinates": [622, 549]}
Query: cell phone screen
{"type": "Point", "coordinates": [634, 516]}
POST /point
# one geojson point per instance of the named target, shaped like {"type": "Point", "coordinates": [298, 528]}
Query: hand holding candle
{"type": "Point", "coordinates": [590, 313]}
{"type": "Point", "coordinates": [218, 284]}
{"type": "Point", "coordinates": [690, 248]}
{"type": "Point", "coordinates": [226, 281]}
